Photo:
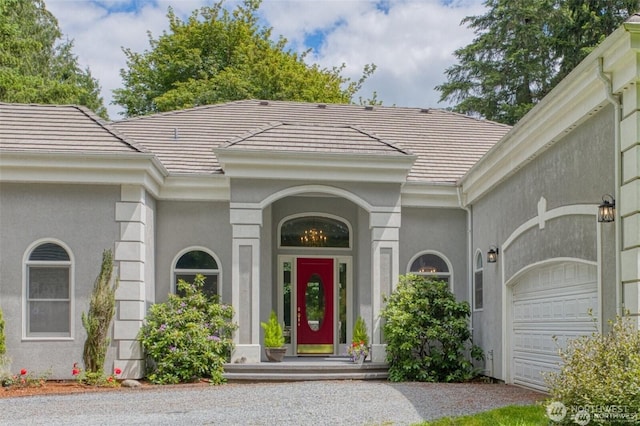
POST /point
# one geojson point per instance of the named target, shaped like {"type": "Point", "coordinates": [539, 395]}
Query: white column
{"type": "Point", "coordinates": [130, 252]}
{"type": "Point", "coordinates": [385, 234]}
{"type": "Point", "coordinates": [246, 221]}
{"type": "Point", "coordinates": [628, 202]}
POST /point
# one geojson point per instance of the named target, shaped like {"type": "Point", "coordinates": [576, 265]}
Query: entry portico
{"type": "Point", "coordinates": [365, 176]}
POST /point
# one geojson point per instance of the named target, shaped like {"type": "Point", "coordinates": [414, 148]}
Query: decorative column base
{"type": "Point", "coordinates": [379, 353]}
{"type": "Point", "coordinates": [246, 354]}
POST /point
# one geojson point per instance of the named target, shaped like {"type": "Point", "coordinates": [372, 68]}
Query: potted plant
{"type": "Point", "coordinates": [359, 348]}
{"type": "Point", "coordinates": [273, 339]}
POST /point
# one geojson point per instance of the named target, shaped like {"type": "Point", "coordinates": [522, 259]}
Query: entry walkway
{"type": "Point", "coordinates": [307, 369]}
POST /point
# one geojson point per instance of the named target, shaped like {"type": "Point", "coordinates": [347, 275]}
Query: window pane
{"type": "Point", "coordinates": [314, 231]}
{"type": "Point", "coordinates": [196, 259]}
{"type": "Point", "coordinates": [287, 301]}
{"type": "Point", "coordinates": [48, 282]}
{"type": "Point", "coordinates": [478, 290]}
{"type": "Point", "coordinates": [429, 264]}
{"type": "Point", "coordinates": [479, 262]}
{"type": "Point", "coordinates": [49, 251]}
{"type": "Point", "coordinates": [49, 317]}
{"type": "Point", "coordinates": [342, 302]}
{"type": "Point", "coordinates": [210, 287]}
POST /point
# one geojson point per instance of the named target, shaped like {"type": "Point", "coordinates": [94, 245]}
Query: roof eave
{"type": "Point", "coordinates": [82, 168]}
{"type": "Point", "coordinates": [264, 164]}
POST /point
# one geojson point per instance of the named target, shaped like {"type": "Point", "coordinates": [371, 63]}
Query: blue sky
{"type": "Point", "coordinates": [410, 41]}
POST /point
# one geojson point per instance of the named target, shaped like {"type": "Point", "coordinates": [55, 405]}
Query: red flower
{"type": "Point", "coordinates": [117, 371]}
{"type": "Point", "coordinates": [110, 379]}
{"type": "Point", "coordinates": [75, 371]}
{"type": "Point", "coordinates": [23, 371]}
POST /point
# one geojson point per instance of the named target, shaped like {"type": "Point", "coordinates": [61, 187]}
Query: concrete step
{"type": "Point", "coordinates": [299, 369]}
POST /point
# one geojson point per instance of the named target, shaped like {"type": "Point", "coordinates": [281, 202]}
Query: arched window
{"type": "Point", "coordinates": [431, 264]}
{"type": "Point", "coordinates": [315, 231]}
{"type": "Point", "coordinates": [477, 282]}
{"type": "Point", "coordinates": [48, 291]}
{"type": "Point", "coordinates": [197, 261]}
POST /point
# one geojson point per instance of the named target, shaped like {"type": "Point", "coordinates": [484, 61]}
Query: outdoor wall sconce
{"type": "Point", "coordinates": [607, 210]}
{"type": "Point", "coordinates": [492, 254]}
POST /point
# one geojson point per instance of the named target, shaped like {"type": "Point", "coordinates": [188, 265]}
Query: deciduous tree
{"type": "Point", "coordinates": [218, 56]}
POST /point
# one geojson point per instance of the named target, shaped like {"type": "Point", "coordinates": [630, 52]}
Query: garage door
{"type": "Point", "coordinates": [549, 301]}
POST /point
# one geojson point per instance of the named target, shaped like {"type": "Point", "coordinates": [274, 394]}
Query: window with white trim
{"type": "Point", "coordinates": [48, 291]}
{"type": "Point", "coordinates": [431, 265]}
{"type": "Point", "coordinates": [478, 273]}
{"type": "Point", "coordinates": [195, 262]}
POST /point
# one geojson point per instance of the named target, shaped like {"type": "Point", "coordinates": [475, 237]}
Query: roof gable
{"type": "Point", "coordinates": [319, 138]}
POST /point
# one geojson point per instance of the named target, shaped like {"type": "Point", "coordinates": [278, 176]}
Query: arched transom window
{"type": "Point", "coordinates": [314, 231]}
{"type": "Point", "coordinates": [48, 291]}
{"type": "Point", "coordinates": [195, 262]}
{"type": "Point", "coordinates": [431, 265]}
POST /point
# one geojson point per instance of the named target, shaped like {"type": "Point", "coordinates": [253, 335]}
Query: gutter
{"type": "Point", "coordinates": [615, 101]}
{"type": "Point", "coordinates": [470, 253]}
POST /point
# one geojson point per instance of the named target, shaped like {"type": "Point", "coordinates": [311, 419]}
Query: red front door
{"type": "Point", "coordinates": [314, 306]}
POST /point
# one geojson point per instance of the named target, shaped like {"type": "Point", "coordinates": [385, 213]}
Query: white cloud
{"type": "Point", "coordinates": [410, 41]}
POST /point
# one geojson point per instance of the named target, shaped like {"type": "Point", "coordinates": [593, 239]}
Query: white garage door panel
{"type": "Point", "coordinates": [546, 302]}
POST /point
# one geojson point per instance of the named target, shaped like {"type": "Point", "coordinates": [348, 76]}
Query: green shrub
{"type": "Point", "coordinates": [359, 347]}
{"type": "Point", "coordinates": [273, 337]}
{"type": "Point", "coordinates": [360, 333]}
{"type": "Point", "coordinates": [5, 361]}
{"type": "Point", "coordinates": [599, 370]}
{"type": "Point", "coordinates": [188, 337]}
{"type": "Point", "coordinates": [102, 307]}
{"type": "Point", "coordinates": [3, 347]}
{"type": "Point", "coordinates": [427, 333]}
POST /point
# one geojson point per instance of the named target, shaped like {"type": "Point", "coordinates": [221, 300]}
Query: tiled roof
{"type": "Point", "coordinates": [58, 128]}
{"type": "Point", "coordinates": [313, 138]}
{"type": "Point", "coordinates": [447, 144]}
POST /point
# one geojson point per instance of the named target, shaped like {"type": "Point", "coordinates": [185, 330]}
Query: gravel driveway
{"type": "Point", "coordinates": [295, 403]}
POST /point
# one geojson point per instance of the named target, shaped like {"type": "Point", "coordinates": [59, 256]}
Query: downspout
{"type": "Point", "coordinates": [615, 101]}
{"type": "Point", "coordinates": [469, 254]}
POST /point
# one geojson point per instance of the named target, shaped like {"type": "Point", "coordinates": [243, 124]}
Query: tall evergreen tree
{"type": "Point", "coordinates": [218, 56]}
{"type": "Point", "coordinates": [522, 49]}
{"type": "Point", "coordinates": [36, 64]}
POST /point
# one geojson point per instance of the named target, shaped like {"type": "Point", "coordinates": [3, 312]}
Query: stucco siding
{"type": "Point", "coordinates": [81, 217]}
{"type": "Point", "coordinates": [255, 191]}
{"type": "Point", "coordinates": [437, 230]}
{"type": "Point", "coordinates": [184, 224]}
{"type": "Point", "coordinates": [576, 171]}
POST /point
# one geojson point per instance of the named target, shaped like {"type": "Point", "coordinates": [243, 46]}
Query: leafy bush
{"type": "Point", "coordinates": [188, 337]}
{"type": "Point", "coordinates": [427, 333]}
{"type": "Point", "coordinates": [599, 370]}
{"type": "Point", "coordinates": [96, 378]}
{"type": "Point", "coordinates": [359, 347]}
{"type": "Point", "coordinates": [5, 361]}
{"type": "Point", "coordinates": [3, 347]}
{"type": "Point", "coordinates": [25, 379]}
{"type": "Point", "coordinates": [102, 307]}
{"type": "Point", "coordinates": [273, 337]}
{"type": "Point", "coordinates": [360, 333]}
